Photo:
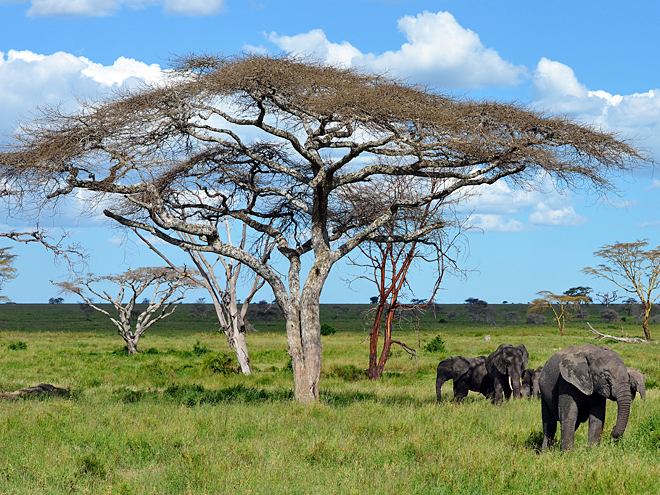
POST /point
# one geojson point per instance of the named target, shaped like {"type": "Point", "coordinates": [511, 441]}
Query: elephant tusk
{"type": "Point", "coordinates": [510, 383]}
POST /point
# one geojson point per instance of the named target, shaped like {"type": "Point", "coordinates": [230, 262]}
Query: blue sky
{"type": "Point", "coordinates": [596, 61]}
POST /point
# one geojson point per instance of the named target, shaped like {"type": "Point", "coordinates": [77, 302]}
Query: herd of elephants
{"type": "Point", "coordinates": [573, 385]}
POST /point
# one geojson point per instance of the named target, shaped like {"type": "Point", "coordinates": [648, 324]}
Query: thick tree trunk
{"type": "Point", "coordinates": [373, 343]}
{"type": "Point", "coordinates": [645, 323]}
{"type": "Point", "coordinates": [131, 346]}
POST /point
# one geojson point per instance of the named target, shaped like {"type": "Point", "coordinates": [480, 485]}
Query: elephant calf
{"type": "Point", "coordinates": [467, 374]}
{"type": "Point", "coordinates": [530, 383]}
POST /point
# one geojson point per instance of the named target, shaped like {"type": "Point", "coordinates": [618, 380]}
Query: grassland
{"type": "Point", "coordinates": [167, 421]}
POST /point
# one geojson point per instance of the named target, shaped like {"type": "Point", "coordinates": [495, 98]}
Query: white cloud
{"type": "Point", "coordinates": [101, 8]}
{"type": "Point", "coordinates": [645, 225]}
{"type": "Point", "coordinates": [496, 223]}
{"type": "Point", "coordinates": [438, 51]}
{"type": "Point", "coordinates": [544, 215]}
{"type": "Point", "coordinates": [28, 79]}
{"type": "Point", "coordinates": [655, 185]}
{"type": "Point", "coordinates": [637, 114]}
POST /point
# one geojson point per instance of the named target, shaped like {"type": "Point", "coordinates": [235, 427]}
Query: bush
{"type": "Point", "coordinates": [199, 349]}
{"type": "Point", "coordinates": [436, 345]}
{"type": "Point", "coordinates": [327, 329]}
{"type": "Point", "coordinates": [511, 316]}
{"type": "Point", "coordinates": [609, 315]}
{"type": "Point", "coordinates": [18, 346]}
{"type": "Point", "coordinates": [349, 372]}
{"type": "Point", "coordinates": [535, 319]}
{"type": "Point", "coordinates": [220, 363]}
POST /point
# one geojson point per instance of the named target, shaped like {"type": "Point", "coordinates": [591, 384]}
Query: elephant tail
{"type": "Point", "coordinates": [623, 400]}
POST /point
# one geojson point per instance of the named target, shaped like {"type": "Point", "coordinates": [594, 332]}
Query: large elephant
{"type": "Point", "coordinates": [575, 385]}
{"type": "Point", "coordinates": [467, 374]}
{"type": "Point", "coordinates": [505, 366]}
{"type": "Point", "coordinates": [530, 383]}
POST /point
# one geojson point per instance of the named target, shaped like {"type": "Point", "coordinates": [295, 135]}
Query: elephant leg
{"type": "Point", "coordinates": [498, 391]}
{"type": "Point", "coordinates": [568, 416]}
{"type": "Point", "coordinates": [461, 389]}
{"type": "Point", "coordinates": [549, 426]}
{"type": "Point", "coordinates": [596, 419]}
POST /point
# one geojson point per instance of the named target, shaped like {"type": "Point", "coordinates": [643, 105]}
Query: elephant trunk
{"type": "Point", "coordinates": [623, 400]}
{"type": "Point", "coordinates": [515, 385]}
{"type": "Point", "coordinates": [641, 388]}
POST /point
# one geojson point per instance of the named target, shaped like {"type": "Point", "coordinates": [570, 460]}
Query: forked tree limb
{"type": "Point", "coordinates": [629, 340]}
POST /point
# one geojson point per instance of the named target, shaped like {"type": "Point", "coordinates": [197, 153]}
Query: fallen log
{"type": "Point", "coordinates": [629, 340]}
{"type": "Point", "coordinates": [41, 389]}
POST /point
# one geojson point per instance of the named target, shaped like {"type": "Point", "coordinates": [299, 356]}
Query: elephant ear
{"type": "Point", "coordinates": [574, 368]}
{"type": "Point", "coordinates": [525, 355]}
{"type": "Point", "coordinates": [498, 360]}
{"type": "Point", "coordinates": [460, 366]}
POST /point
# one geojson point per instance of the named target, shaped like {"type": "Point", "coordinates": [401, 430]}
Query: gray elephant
{"type": "Point", "coordinates": [575, 385]}
{"type": "Point", "coordinates": [530, 383]}
{"type": "Point", "coordinates": [505, 367]}
{"type": "Point", "coordinates": [467, 374]}
{"type": "Point", "coordinates": [637, 383]}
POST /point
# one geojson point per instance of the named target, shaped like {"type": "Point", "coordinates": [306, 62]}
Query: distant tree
{"type": "Point", "coordinates": [511, 316]}
{"type": "Point", "coordinates": [479, 311]}
{"type": "Point", "coordinates": [56, 300]}
{"type": "Point", "coordinates": [199, 309]}
{"type": "Point", "coordinates": [373, 299]}
{"type": "Point", "coordinates": [579, 291]}
{"type": "Point", "coordinates": [562, 306]}
{"type": "Point", "coordinates": [607, 298]}
{"type": "Point", "coordinates": [168, 285]}
{"type": "Point", "coordinates": [86, 309]}
{"type": "Point", "coordinates": [7, 270]}
{"type": "Point", "coordinates": [634, 269]}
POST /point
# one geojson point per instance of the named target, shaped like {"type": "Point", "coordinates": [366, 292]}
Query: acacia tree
{"type": "Point", "coordinates": [272, 141]}
{"type": "Point", "coordinates": [166, 283]}
{"type": "Point", "coordinates": [388, 263]}
{"type": "Point", "coordinates": [7, 270]}
{"type": "Point", "coordinates": [562, 306]}
{"type": "Point", "coordinates": [225, 299]}
{"type": "Point", "coordinates": [634, 269]}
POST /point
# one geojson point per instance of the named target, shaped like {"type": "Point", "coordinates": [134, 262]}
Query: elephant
{"type": "Point", "coordinates": [530, 383]}
{"type": "Point", "coordinates": [505, 366]}
{"type": "Point", "coordinates": [467, 374]}
{"type": "Point", "coordinates": [637, 383]}
{"type": "Point", "coordinates": [575, 385]}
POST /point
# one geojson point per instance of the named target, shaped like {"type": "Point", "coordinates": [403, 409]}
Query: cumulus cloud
{"type": "Point", "coordinates": [544, 215]}
{"type": "Point", "coordinates": [438, 51]}
{"type": "Point", "coordinates": [28, 79]}
{"type": "Point", "coordinates": [638, 114]}
{"type": "Point", "coordinates": [101, 8]}
{"type": "Point", "coordinates": [496, 223]}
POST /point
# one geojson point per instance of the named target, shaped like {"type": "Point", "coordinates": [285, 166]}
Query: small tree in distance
{"type": "Point", "coordinates": [166, 283]}
{"type": "Point", "coordinates": [633, 269]}
{"type": "Point", "coordinates": [562, 306]}
{"type": "Point", "coordinates": [7, 271]}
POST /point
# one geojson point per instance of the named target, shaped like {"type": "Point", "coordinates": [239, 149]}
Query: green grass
{"type": "Point", "coordinates": [165, 421]}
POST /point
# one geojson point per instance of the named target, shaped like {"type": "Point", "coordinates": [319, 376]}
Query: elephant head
{"type": "Point", "coordinates": [507, 364]}
{"type": "Point", "coordinates": [600, 370]}
{"type": "Point", "coordinates": [637, 383]}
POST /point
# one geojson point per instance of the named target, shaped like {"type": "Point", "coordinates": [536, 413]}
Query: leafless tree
{"type": "Point", "coordinates": [272, 141]}
{"type": "Point", "coordinates": [169, 287]}
{"type": "Point", "coordinates": [387, 263]}
{"type": "Point", "coordinates": [607, 298]}
{"type": "Point", "coordinates": [224, 297]}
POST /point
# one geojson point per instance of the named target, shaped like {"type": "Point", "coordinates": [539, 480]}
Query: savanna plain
{"type": "Point", "coordinates": [176, 418]}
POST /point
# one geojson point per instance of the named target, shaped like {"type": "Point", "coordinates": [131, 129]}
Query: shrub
{"type": "Point", "coordinates": [608, 315]}
{"type": "Point", "coordinates": [511, 316]}
{"type": "Point", "coordinates": [18, 346]}
{"type": "Point", "coordinates": [220, 363]}
{"type": "Point", "coordinates": [199, 349]}
{"type": "Point", "coordinates": [452, 314]}
{"type": "Point", "coordinates": [327, 329]}
{"type": "Point", "coordinates": [436, 345]}
{"type": "Point", "coordinates": [535, 319]}
{"type": "Point", "coordinates": [349, 372]}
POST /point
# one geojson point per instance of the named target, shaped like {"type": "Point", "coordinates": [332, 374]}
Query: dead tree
{"type": "Point", "coordinates": [224, 297]}
{"type": "Point", "coordinates": [169, 287]}
{"type": "Point", "coordinates": [273, 141]}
